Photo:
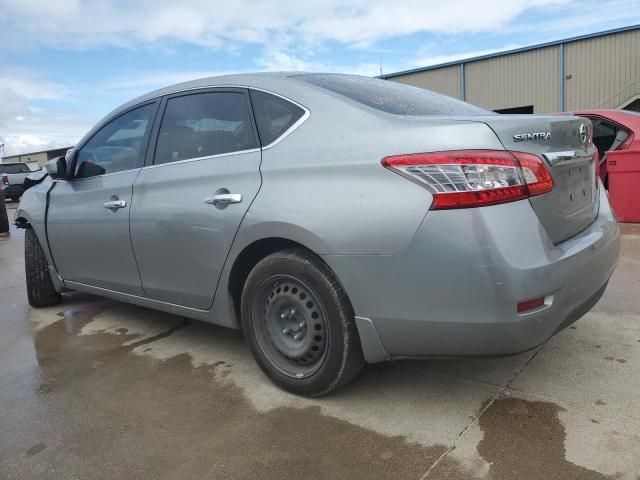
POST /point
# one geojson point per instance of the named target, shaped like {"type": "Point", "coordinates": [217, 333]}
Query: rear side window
{"type": "Point", "coordinates": [607, 136]}
{"type": "Point", "coordinates": [204, 124]}
{"type": "Point", "coordinates": [274, 115]}
{"type": "Point", "coordinates": [392, 97]}
{"type": "Point", "coordinates": [9, 169]}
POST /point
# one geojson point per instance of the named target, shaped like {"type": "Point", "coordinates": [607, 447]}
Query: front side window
{"type": "Point", "coordinates": [204, 124]}
{"type": "Point", "coordinates": [274, 115]}
{"type": "Point", "coordinates": [117, 146]}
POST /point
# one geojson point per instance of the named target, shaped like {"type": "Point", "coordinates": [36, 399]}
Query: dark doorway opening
{"type": "Point", "coordinates": [525, 110]}
{"type": "Point", "coordinates": [634, 106]}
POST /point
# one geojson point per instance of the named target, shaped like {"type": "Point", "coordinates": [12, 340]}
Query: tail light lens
{"type": "Point", "coordinates": [5, 179]}
{"type": "Point", "coordinates": [474, 178]}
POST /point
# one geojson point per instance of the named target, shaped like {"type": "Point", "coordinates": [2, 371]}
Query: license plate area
{"type": "Point", "coordinates": [575, 187]}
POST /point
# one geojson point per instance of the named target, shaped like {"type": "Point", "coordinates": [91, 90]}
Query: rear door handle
{"type": "Point", "coordinates": [223, 199]}
{"type": "Point", "coordinates": [115, 204]}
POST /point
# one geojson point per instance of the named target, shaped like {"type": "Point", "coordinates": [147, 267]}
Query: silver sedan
{"type": "Point", "coordinates": [336, 219]}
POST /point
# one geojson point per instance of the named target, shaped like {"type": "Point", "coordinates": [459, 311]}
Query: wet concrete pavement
{"type": "Point", "coordinates": [94, 388]}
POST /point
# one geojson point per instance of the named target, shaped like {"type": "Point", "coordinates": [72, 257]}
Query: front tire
{"type": "Point", "coordinates": [299, 324]}
{"type": "Point", "coordinates": [40, 289]}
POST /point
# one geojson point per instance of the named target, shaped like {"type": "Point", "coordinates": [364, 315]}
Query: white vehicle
{"type": "Point", "coordinates": [12, 177]}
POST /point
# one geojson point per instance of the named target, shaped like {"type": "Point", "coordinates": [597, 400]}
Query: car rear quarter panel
{"type": "Point", "coordinates": [325, 185]}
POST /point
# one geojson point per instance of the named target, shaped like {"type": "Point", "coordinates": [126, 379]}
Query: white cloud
{"type": "Point", "coordinates": [29, 84]}
{"type": "Point", "coordinates": [25, 128]}
{"type": "Point", "coordinates": [283, 60]}
{"type": "Point", "coordinates": [139, 82]}
{"type": "Point", "coordinates": [34, 131]}
{"type": "Point", "coordinates": [428, 60]}
{"type": "Point", "coordinates": [75, 24]}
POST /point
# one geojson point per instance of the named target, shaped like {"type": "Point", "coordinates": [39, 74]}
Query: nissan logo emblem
{"type": "Point", "coordinates": [584, 133]}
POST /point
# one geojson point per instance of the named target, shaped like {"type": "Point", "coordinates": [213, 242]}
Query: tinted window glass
{"type": "Point", "coordinates": [117, 146]}
{"type": "Point", "coordinates": [392, 97]}
{"type": "Point", "coordinates": [14, 169]}
{"type": "Point", "coordinates": [607, 136]}
{"type": "Point", "coordinates": [274, 115]}
{"type": "Point", "coordinates": [204, 124]}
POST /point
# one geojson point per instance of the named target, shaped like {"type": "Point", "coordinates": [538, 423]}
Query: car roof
{"type": "Point", "coordinates": [255, 80]}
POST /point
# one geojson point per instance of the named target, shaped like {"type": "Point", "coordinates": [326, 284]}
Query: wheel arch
{"type": "Point", "coordinates": [22, 219]}
{"type": "Point", "coordinates": [248, 258]}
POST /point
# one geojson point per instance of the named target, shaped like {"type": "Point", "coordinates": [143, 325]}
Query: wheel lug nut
{"type": "Point", "coordinates": [301, 325]}
{"type": "Point", "coordinates": [297, 336]}
{"type": "Point", "coordinates": [292, 312]}
{"type": "Point", "coordinates": [283, 315]}
{"type": "Point", "coordinates": [286, 331]}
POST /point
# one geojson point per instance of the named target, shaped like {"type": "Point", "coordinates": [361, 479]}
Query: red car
{"type": "Point", "coordinates": [613, 130]}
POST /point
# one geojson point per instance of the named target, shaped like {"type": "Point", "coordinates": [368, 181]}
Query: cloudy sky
{"type": "Point", "coordinates": [66, 63]}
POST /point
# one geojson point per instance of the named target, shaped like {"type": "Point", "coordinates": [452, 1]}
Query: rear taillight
{"type": "Point", "coordinates": [5, 179]}
{"type": "Point", "coordinates": [474, 178]}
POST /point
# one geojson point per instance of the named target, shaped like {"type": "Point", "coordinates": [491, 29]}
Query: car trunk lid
{"type": "Point", "coordinates": [564, 144]}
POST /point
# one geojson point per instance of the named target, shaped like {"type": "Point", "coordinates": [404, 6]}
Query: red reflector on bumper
{"type": "Point", "coordinates": [530, 304]}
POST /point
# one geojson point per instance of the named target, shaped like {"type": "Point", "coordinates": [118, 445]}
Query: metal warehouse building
{"type": "Point", "coordinates": [600, 70]}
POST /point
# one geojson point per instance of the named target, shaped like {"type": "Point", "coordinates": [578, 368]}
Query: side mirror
{"type": "Point", "coordinates": [56, 167]}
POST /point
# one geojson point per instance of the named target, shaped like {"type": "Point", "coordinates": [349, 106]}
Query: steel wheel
{"type": "Point", "coordinates": [292, 333]}
{"type": "Point", "coordinates": [299, 323]}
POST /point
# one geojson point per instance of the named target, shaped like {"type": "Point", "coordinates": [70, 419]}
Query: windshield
{"type": "Point", "coordinates": [392, 97]}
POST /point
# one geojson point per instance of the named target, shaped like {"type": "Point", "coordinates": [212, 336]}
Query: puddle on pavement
{"type": "Point", "coordinates": [522, 440]}
{"type": "Point", "coordinates": [165, 417]}
{"type": "Point", "coordinates": [525, 440]}
{"type": "Point", "coordinates": [134, 416]}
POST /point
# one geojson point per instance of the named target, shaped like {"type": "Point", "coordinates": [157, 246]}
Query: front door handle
{"type": "Point", "coordinates": [223, 199]}
{"type": "Point", "coordinates": [115, 204]}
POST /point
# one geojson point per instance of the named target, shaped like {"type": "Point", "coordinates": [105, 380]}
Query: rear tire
{"type": "Point", "coordinates": [299, 324]}
{"type": "Point", "coordinates": [40, 289]}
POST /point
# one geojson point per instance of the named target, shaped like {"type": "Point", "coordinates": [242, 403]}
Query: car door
{"type": "Point", "coordinates": [88, 216]}
{"type": "Point", "coordinates": [188, 205]}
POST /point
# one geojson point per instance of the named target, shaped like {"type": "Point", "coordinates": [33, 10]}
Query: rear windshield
{"type": "Point", "coordinates": [392, 97]}
{"type": "Point", "coordinates": [14, 168]}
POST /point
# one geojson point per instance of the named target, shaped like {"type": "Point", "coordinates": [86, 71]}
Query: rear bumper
{"type": "Point", "coordinates": [454, 290]}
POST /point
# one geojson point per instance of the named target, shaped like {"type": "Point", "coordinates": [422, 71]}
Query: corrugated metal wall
{"type": "Point", "coordinates": [517, 80]}
{"type": "Point", "coordinates": [600, 68]}
{"type": "Point", "coordinates": [443, 80]}
{"type": "Point", "coordinates": [604, 73]}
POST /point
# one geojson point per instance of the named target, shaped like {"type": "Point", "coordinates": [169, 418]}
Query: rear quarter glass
{"type": "Point", "coordinates": [274, 115]}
